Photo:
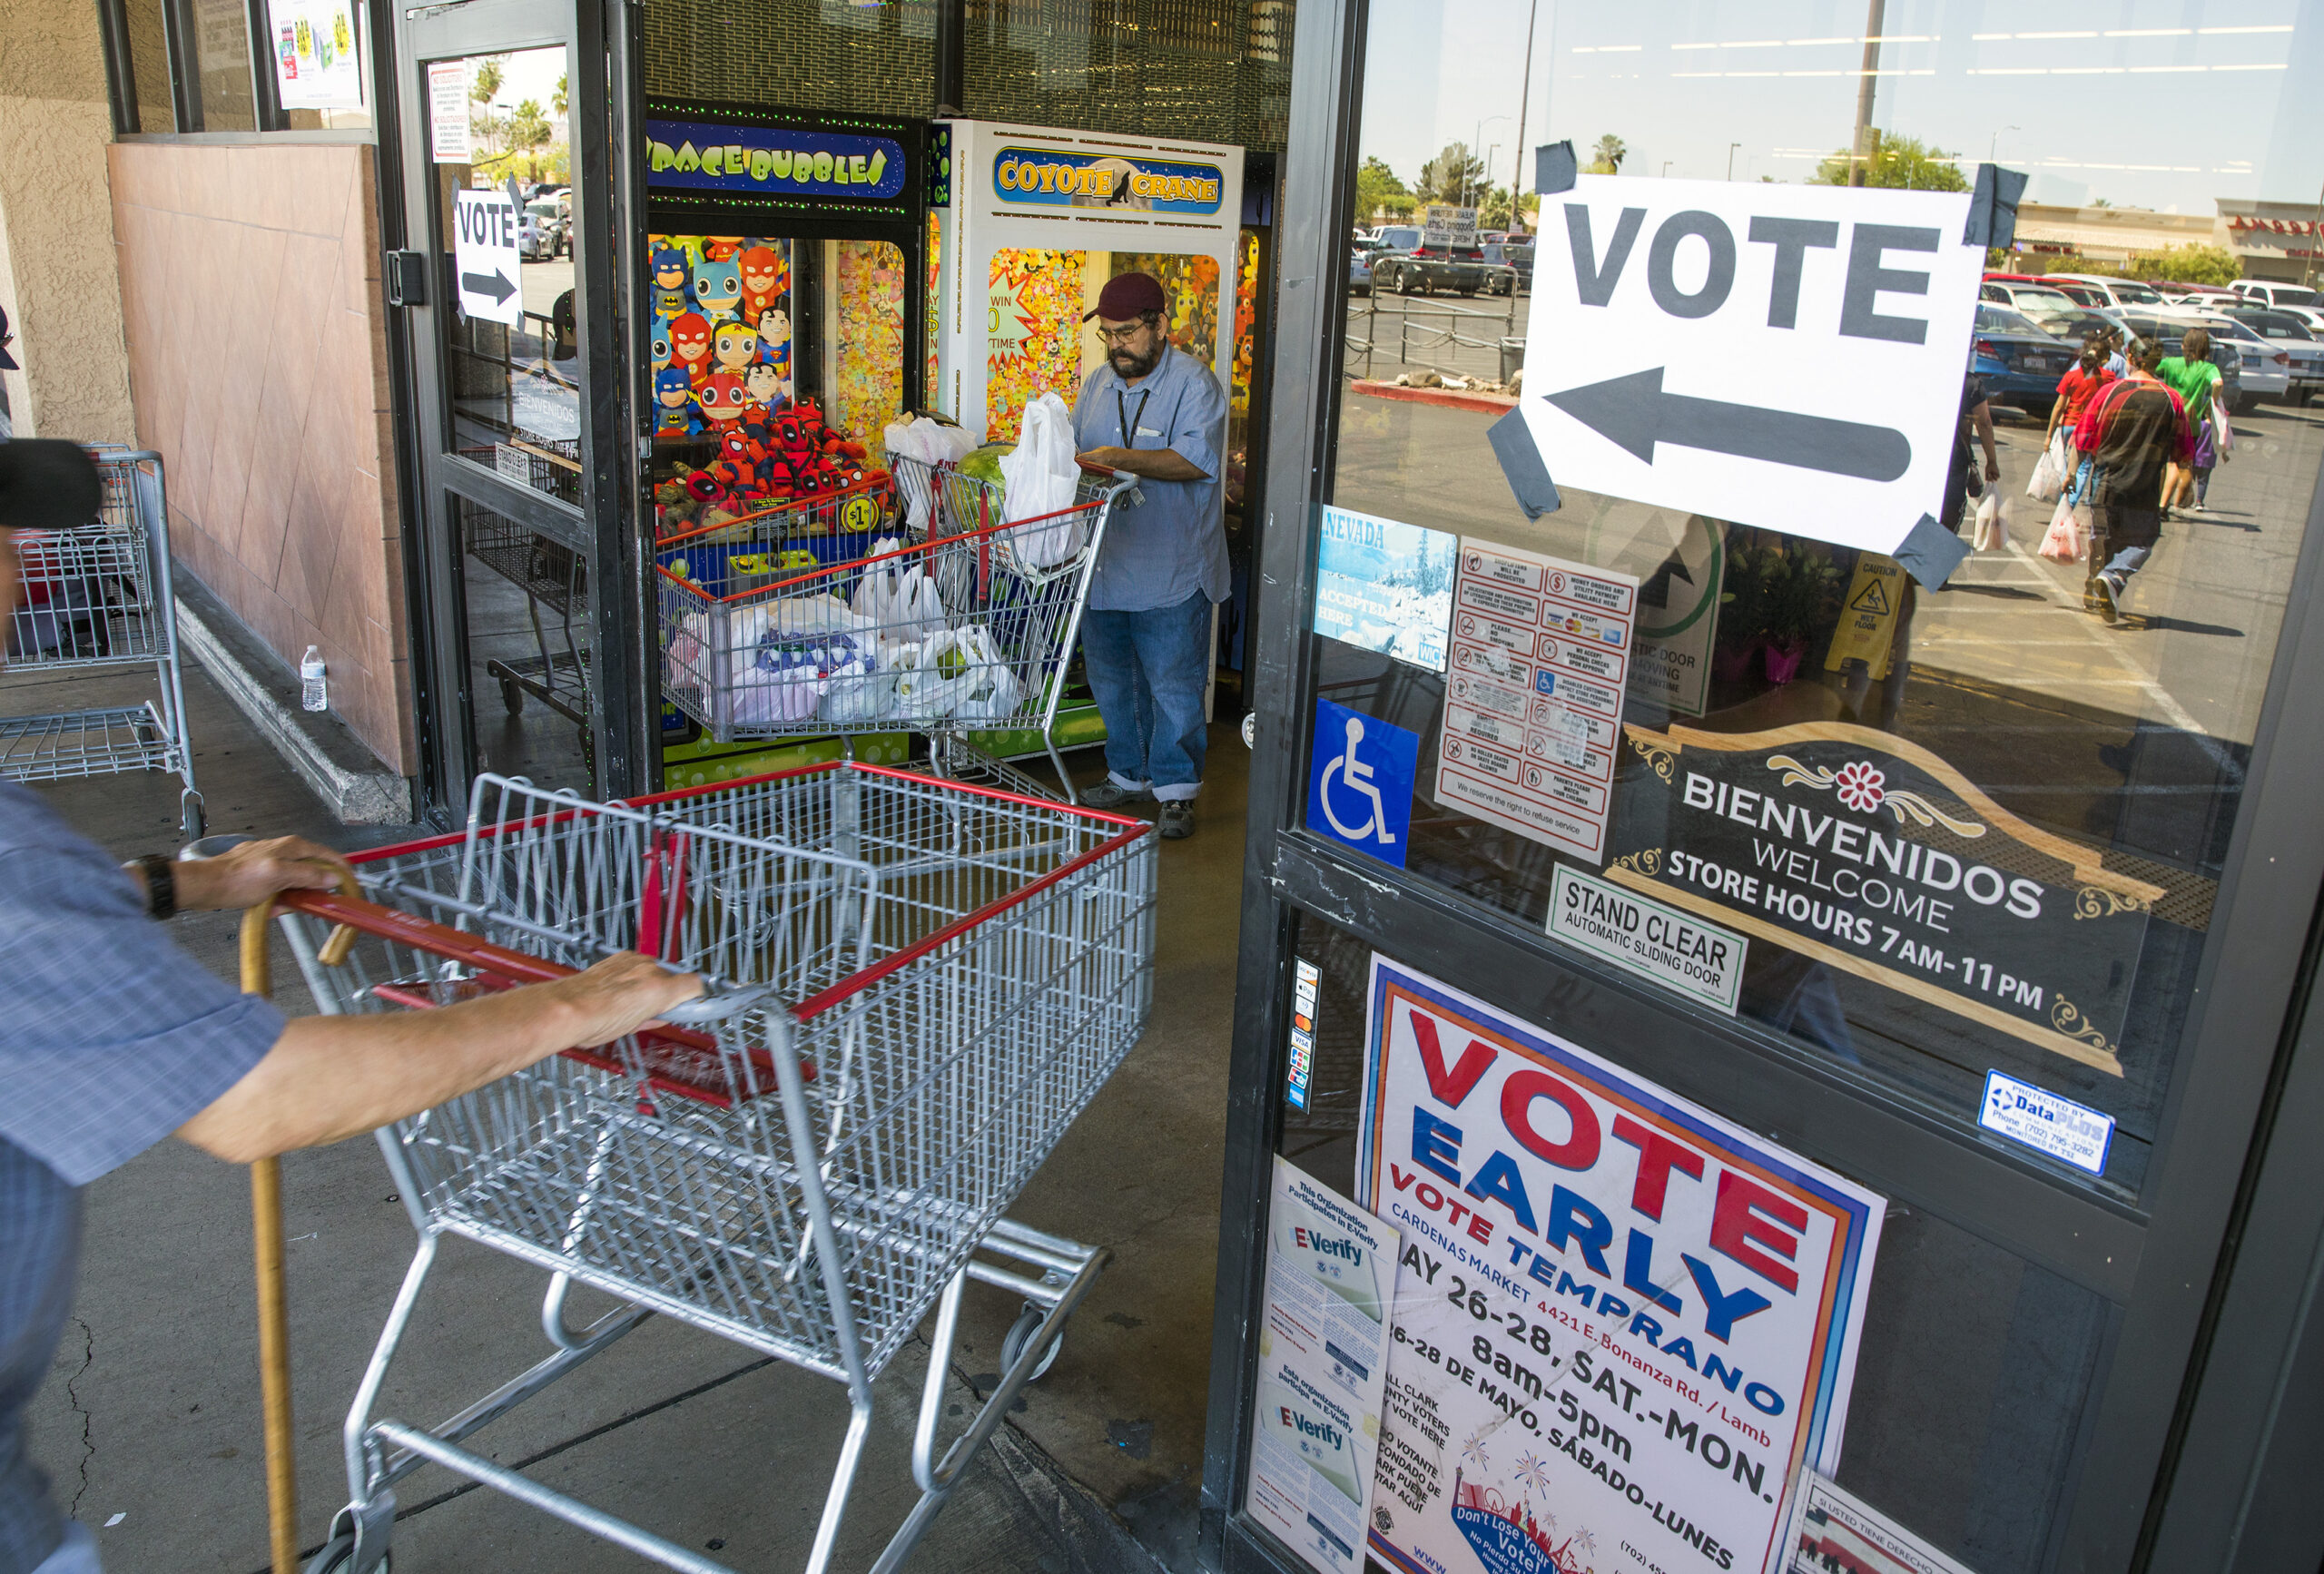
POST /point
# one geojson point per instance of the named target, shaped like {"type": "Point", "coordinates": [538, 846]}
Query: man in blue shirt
{"type": "Point", "coordinates": [112, 1038]}
{"type": "Point", "coordinates": [1156, 412]}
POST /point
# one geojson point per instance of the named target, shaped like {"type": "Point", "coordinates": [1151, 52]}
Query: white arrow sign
{"type": "Point", "coordinates": [486, 267]}
{"type": "Point", "coordinates": [1789, 357]}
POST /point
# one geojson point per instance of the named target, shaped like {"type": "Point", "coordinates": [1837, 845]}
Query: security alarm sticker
{"type": "Point", "coordinates": [1360, 782]}
{"type": "Point", "coordinates": [1620, 1324]}
{"type": "Point", "coordinates": [1301, 1072]}
{"type": "Point", "coordinates": [2071, 1133]}
{"type": "Point", "coordinates": [1677, 949]}
{"type": "Point", "coordinates": [1663, 307]}
{"type": "Point", "coordinates": [1538, 659]}
{"type": "Point", "coordinates": [1869, 853]}
{"type": "Point", "coordinates": [487, 269]}
{"type": "Point", "coordinates": [1323, 1366]}
{"type": "Point", "coordinates": [1384, 585]}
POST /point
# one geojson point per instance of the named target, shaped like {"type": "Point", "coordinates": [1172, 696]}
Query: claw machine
{"type": "Point", "coordinates": [1028, 226]}
{"type": "Point", "coordinates": [783, 266]}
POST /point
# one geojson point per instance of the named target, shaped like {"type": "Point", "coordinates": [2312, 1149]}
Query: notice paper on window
{"type": "Point", "coordinates": [1323, 1366]}
{"type": "Point", "coordinates": [1539, 655]}
{"type": "Point", "coordinates": [1832, 1528]}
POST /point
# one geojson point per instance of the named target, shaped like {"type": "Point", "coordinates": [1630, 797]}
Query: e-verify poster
{"type": "Point", "coordinates": [1323, 1356]}
{"type": "Point", "coordinates": [1621, 1324]}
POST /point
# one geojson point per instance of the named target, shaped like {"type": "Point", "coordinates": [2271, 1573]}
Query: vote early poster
{"type": "Point", "coordinates": [1622, 1326]}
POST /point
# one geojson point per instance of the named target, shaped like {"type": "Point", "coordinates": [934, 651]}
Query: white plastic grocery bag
{"type": "Point", "coordinates": [1041, 476]}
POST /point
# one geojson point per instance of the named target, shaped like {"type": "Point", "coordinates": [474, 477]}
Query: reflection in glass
{"type": "Point", "coordinates": [2101, 746]}
{"type": "Point", "coordinates": [528, 650]}
{"type": "Point", "coordinates": [516, 391]}
{"type": "Point", "coordinates": [221, 49]}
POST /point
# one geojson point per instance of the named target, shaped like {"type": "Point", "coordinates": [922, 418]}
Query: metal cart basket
{"type": "Point", "coordinates": [916, 986]}
{"type": "Point", "coordinates": [97, 595]}
{"type": "Point", "coordinates": [966, 628]}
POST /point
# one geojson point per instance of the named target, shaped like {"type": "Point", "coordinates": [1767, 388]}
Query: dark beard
{"type": "Point", "coordinates": [1130, 367]}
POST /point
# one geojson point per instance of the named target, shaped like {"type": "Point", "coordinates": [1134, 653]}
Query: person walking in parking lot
{"type": "Point", "coordinates": [2132, 433]}
{"type": "Point", "coordinates": [2196, 380]}
{"type": "Point", "coordinates": [2080, 384]}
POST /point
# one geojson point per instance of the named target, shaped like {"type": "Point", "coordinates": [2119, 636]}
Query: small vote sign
{"type": "Point", "coordinates": [486, 264]}
{"type": "Point", "coordinates": [1788, 356]}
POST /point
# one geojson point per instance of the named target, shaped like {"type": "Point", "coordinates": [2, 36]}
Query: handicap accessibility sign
{"type": "Point", "coordinates": [1360, 782]}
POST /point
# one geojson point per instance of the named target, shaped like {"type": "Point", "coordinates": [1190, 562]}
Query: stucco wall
{"type": "Point", "coordinates": [258, 352]}
{"type": "Point", "coordinates": [56, 280]}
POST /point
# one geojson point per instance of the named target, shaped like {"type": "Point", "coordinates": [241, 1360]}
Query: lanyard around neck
{"type": "Point", "coordinates": [1121, 414]}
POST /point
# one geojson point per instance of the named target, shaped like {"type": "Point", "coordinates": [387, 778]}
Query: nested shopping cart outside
{"type": "Point", "coordinates": [963, 624]}
{"type": "Point", "coordinates": [95, 596]}
{"type": "Point", "coordinates": [916, 985]}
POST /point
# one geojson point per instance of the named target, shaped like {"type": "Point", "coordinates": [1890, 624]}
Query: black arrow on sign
{"type": "Point", "coordinates": [495, 284]}
{"type": "Point", "coordinates": [1634, 414]}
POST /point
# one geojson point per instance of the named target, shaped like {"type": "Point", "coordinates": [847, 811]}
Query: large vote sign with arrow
{"type": "Point", "coordinates": [1789, 357]}
{"type": "Point", "coordinates": [486, 267]}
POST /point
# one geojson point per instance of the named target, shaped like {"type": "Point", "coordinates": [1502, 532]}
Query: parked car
{"type": "Point", "coordinates": [2037, 301]}
{"type": "Point", "coordinates": [2092, 289]}
{"type": "Point", "coordinates": [2265, 292]}
{"type": "Point", "coordinates": [2020, 362]}
{"type": "Point", "coordinates": [2292, 335]}
{"type": "Point", "coordinates": [1514, 255]}
{"type": "Point", "coordinates": [546, 231]}
{"type": "Point", "coordinates": [1359, 271]}
{"type": "Point", "coordinates": [1408, 268]}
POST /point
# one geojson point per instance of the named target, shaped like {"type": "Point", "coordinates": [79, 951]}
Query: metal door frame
{"type": "Point", "coordinates": [2159, 1264]}
{"type": "Point", "coordinates": [601, 41]}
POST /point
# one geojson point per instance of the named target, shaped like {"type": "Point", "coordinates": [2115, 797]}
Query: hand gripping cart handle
{"type": "Point", "coordinates": [809, 1180]}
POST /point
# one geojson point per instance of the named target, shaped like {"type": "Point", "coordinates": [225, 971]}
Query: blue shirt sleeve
{"type": "Point", "coordinates": [1199, 420]}
{"type": "Point", "coordinates": [111, 1037]}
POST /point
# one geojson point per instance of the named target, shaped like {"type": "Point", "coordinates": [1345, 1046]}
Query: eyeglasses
{"type": "Point", "coordinates": [1121, 335]}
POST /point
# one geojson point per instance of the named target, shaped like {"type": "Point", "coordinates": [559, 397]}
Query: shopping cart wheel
{"type": "Point", "coordinates": [339, 1555]}
{"type": "Point", "coordinates": [512, 694]}
{"type": "Point", "coordinates": [191, 818]}
{"type": "Point", "coordinates": [1027, 1324]}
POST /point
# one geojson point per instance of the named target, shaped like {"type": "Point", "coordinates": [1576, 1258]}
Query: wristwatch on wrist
{"type": "Point", "coordinates": [160, 884]}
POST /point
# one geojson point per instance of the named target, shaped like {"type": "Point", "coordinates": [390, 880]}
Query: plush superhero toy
{"type": "Point", "coordinates": [673, 396]}
{"type": "Point", "coordinates": [663, 353]}
{"type": "Point", "coordinates": [690, 346]}
{"type": "Point", "coordinates": [723, 400]}
{"type": "Point", "coordinates": [764, 281]}
{"type": "Point", "coordinates": [717, 286]}
{"type": "Point", "coordinates": [733, 347]}
{"type": "Point", "coordinates": [673, 294]}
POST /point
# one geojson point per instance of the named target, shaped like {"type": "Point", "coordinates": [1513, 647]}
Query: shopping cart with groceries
{"type": "Point", "coordinates": [914, 987]}
{"type": "Point", "coordinates": [95, 597]}
{"type": "Point", "coordinates": [960, 623]}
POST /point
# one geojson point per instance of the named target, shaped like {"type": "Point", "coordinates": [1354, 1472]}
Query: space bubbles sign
{"type": "Point", "coordinates": [1621, 1324]}
{"type": "Point", "coordinates": [772, 161]}
{"type": "Point", "coordinates": [1786, 356]}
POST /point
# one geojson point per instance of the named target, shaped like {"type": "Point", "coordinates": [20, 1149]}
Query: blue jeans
{"type": "Point", "coordinates": [1147, 670]}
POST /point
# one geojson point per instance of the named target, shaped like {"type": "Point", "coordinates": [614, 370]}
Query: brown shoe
{"type": "Point", "coordinates": [1178, 820]}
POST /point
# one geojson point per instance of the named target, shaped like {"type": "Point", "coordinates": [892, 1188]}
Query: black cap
{"type": "Point", "coordinates": [7, 361]}
{"type": "Point", "coordinates": [46, 484]}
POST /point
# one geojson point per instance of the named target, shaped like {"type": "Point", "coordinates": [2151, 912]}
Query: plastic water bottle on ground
{"type": "Point", "coordinates": [314, 691]}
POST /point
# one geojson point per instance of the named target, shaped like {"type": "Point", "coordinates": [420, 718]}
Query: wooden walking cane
{"type": "Point", "coordinates": [266, 1227]}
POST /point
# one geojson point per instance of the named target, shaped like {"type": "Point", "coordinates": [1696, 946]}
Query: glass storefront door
{"type": "Point", "coordinates": [1950, 869]}
{"type": "Point", "coordinates": [531, 612]}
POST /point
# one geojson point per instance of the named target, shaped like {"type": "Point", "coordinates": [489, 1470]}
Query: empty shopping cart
{"type": "Point", "coordinates": [96, 596]}
{"type": "Point", "coordinates": [916, 986]}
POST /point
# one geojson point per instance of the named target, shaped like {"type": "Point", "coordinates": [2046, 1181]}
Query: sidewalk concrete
{"type": "Point", "coordinates": [151, 1411]}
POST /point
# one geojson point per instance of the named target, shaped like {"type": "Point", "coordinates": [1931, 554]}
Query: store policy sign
{"type": "Point", "coordinates": [1874, 856]}
{"type": "Point", "coordinates": [1621, 1324]}
{"type": "Point", "coordinates": [1789, 357]}
{"type": "Point", "coordinates": [772, 160]}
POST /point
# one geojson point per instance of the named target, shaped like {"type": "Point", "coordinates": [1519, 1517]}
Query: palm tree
{"type": "Point", "coordinates": [1606, 158]}
{"type": "Point", "coordinates": [556, 100]}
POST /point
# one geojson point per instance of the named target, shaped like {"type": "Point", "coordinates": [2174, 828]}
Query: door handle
{"type": "Point", "coordinates": [406, 278]}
